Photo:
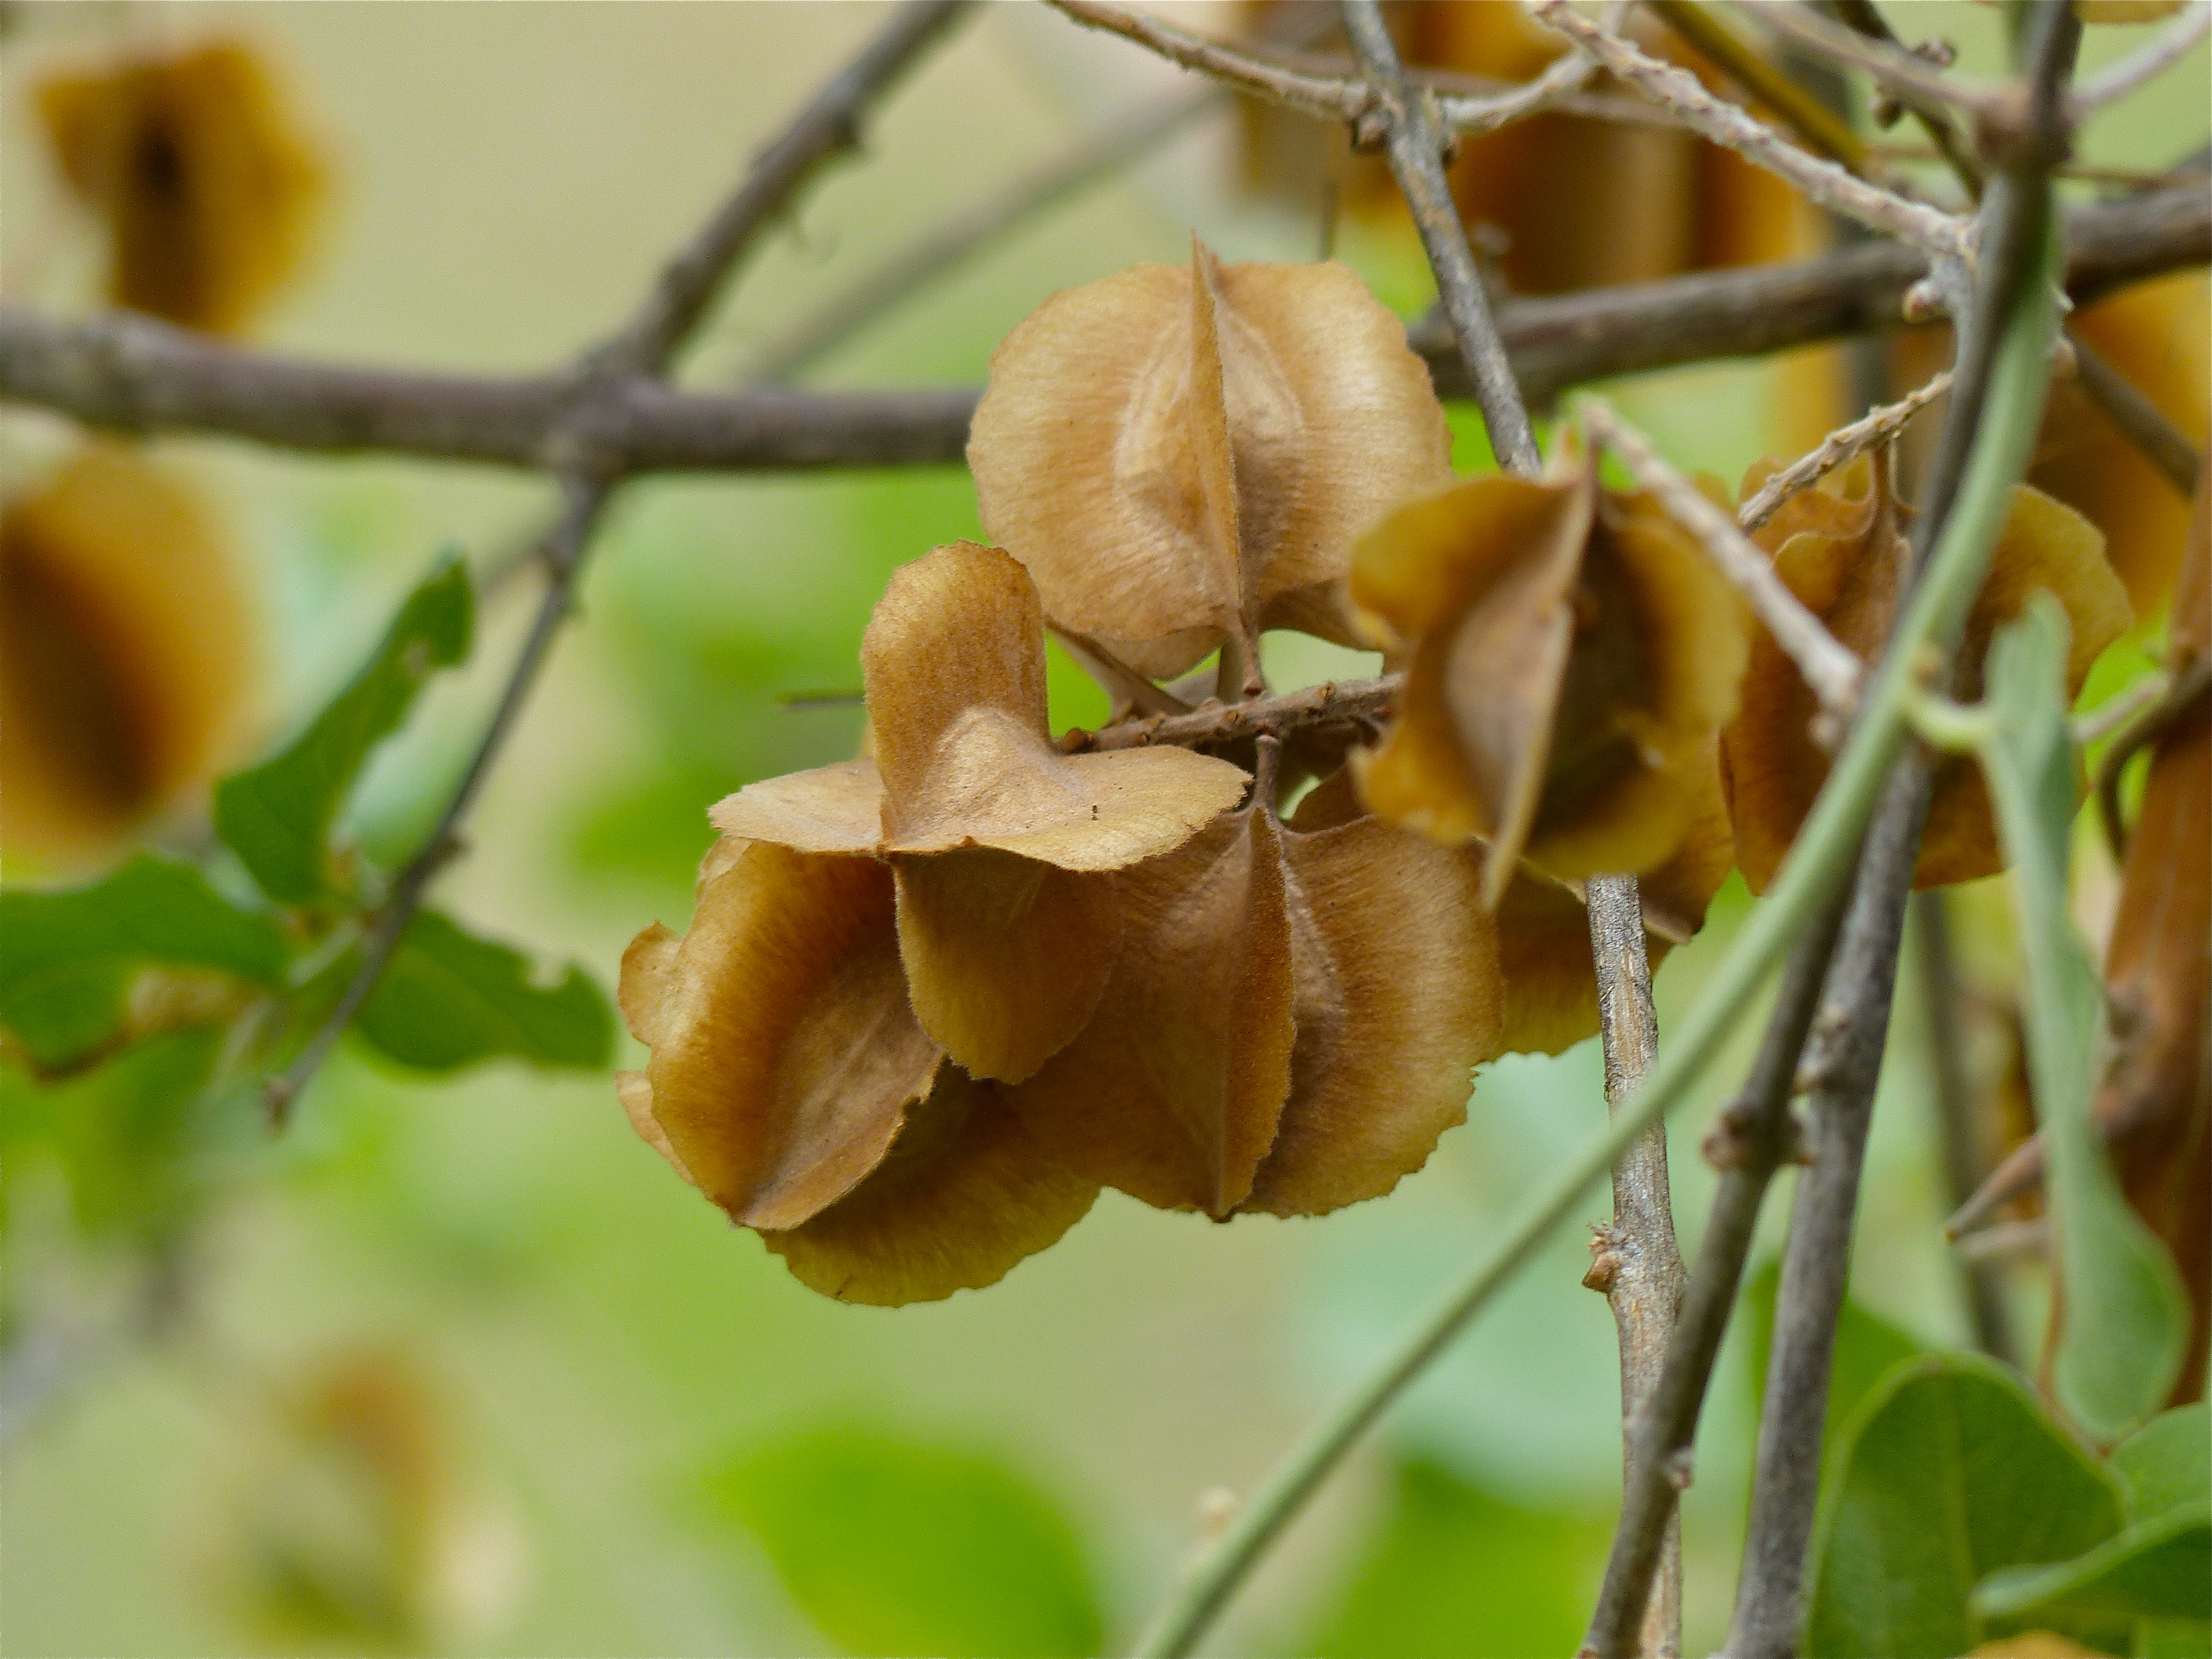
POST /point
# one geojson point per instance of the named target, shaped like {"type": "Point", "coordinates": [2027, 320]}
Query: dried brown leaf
{"type": "Point", "coordinates": [209, 186]}
{"type": "Point", "coordinates": [127, 653]}
{"type": "Point", "coordinates": [954, 658]}
{"type": "Point", "coordinates": [2155, 1099]}
{"type": "Point", "coordinates": [831, 809]}
{"type": "Point", "coordinates": [2158, 335]}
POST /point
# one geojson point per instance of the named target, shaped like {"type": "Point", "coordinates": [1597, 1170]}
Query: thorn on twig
{"type": "Point", "coordinates": [1606, 1242]}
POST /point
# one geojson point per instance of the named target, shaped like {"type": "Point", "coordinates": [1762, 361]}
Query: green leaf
{"type": "Point", "coordinates": [123, 1133]}
{"type": "Point", "coordinates": [894, 1548]}
{"type": "Point", "coordinates": [1451, 1559]}
{"type": "Point", "coordinates": [277, 817]}
{"type": "Point", "coordinates": [1949, 1472]}
{"type": "Point", "coordinates": [2126, 1323]}
{"type": "Point", "coordinates": [67, 956]}
{"type": "Point", "coordinates": [449, 1000]}
{"type": "Point", "coordinates": [2159, 1569]}
{"type": "Point", "coordinates": [2166, 1464]}
{"type": "Point", "coordinates": [1867, 1347]}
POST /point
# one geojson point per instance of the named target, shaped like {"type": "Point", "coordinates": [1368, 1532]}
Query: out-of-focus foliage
{"type": "Point", "coordinates": [1449, 1558]}
{"type": "Point", "coordinates": [138, 1009]}
{"type": "Point", "coordinates": [879, 1538]}
{"type": "Point", "coordinates": [451, 1000]}
{"type": "Point", "coordinates": [73, 954]}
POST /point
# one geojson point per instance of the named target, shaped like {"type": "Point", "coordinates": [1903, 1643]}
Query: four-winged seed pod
{"type": "Point", "coordinates": [1574, 656]}
{"type": "Point", "coordinates": [1184, 457]}
{"type": "Point", "coordinates": [207, 182]}
{"type": "Point", "coordinates": [876, 942]}
{"type": "Point", "coordinates": [1840, 548]}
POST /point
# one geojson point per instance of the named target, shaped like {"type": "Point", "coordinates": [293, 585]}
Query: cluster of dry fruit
{"type": "Point", "coordinates": [127, 662]}
{"type": "Point", "coordinates": [933, 999]}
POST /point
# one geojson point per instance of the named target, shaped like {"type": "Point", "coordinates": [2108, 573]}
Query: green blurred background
{"type": "Point", "coordinates": [607, 1422]}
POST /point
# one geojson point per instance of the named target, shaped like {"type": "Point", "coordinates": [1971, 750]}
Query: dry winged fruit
{"type": "Point", "coordinates": [791, 1083]}
{"type": "Point", "coordinates": [1004, 847]}
{"type": "Point", "coordinates": [2158, 335]}
{"type": "Point", "coordinates": [1574, 654]}
{"type": "Point", "coordinates": [854, 924]}
{"type": "Point", "coordinates": [208, 184]}
{"type": "Point", "coordinates": [1543, 924]}
{"type": "Point", "coordinates": [125, 653]}
{"type": "Point", "coordinates": [1840, 548]}
{"type": "Point", "coordinates": [1182, 457]}
{"type": "Point", "coordinates": [1294, 1020]}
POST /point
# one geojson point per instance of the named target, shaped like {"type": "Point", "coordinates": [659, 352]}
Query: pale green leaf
{"type": "Point", "coordinates": [67, 955]}
{"type": "Point", "coordinates": [277, 816]}
{"type": "Point", "coordinates": [1949, 1472]}
{"type": "Point", "coordinates": [2159, 1569]}
{"type": "Point", "coordinates": [449, 1000]}
{"type": "Point", "coordinates": [2126, 1325]}
{"type": "Point", "coordinates": [894, 1548]}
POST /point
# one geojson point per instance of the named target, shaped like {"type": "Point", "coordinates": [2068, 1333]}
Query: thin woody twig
{"type": "Point", "coordinates": [1365, 703]}
{"type": "Point", "coordinates": [645, 345]}
{"type": "Point", "coordinates": [1821, 127]}
{"type": "Point", "coordinates": [1988, 438]}
{"type": "Point", "coordinates": [134, 374]}
{"type": "Point", "coordinates": [1328, 97]}
{"type": "Point", "coordinates": [1832, 672]}
{"type": "Point", "coordinates": [1754, 1138]}
{"type": "Point", "coordinates": [1331, 97]}
{"type": "Point", "coordinates": [2115, 81]}
{"type": "Point", "coordinates": [1636, 1262]}
{"type": "Point", "coordinates": [1935, 120]}
{"type": "Point", "coordinates": [2142, 421]}
{"type": "Point", "coordinates": [1415, 149]}
{"type": "Point", "coordinates": [1936, 233]}
{"type": "Point", "coordinates": [1839, 448]}
{"type": "Point", "coordinates": [1910, 78]}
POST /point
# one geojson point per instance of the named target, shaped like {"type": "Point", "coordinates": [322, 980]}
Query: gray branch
{"type": "Point", "coordinates": [131, 374]}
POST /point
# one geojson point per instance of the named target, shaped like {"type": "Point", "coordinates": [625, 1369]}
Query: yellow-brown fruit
{"type": "Point", "coordinates": [1574, 656]}
{"type": "Point", "coordinates": [126, 653]}
{"type": "Point", "coordinates": [1840, 548]}
{"type": "Point", "coordinates": [1182, 457]}
{"type": "Point", "coordinates": [2158, 335]}
{"type": "Point", "coordinates": [208, 184]}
